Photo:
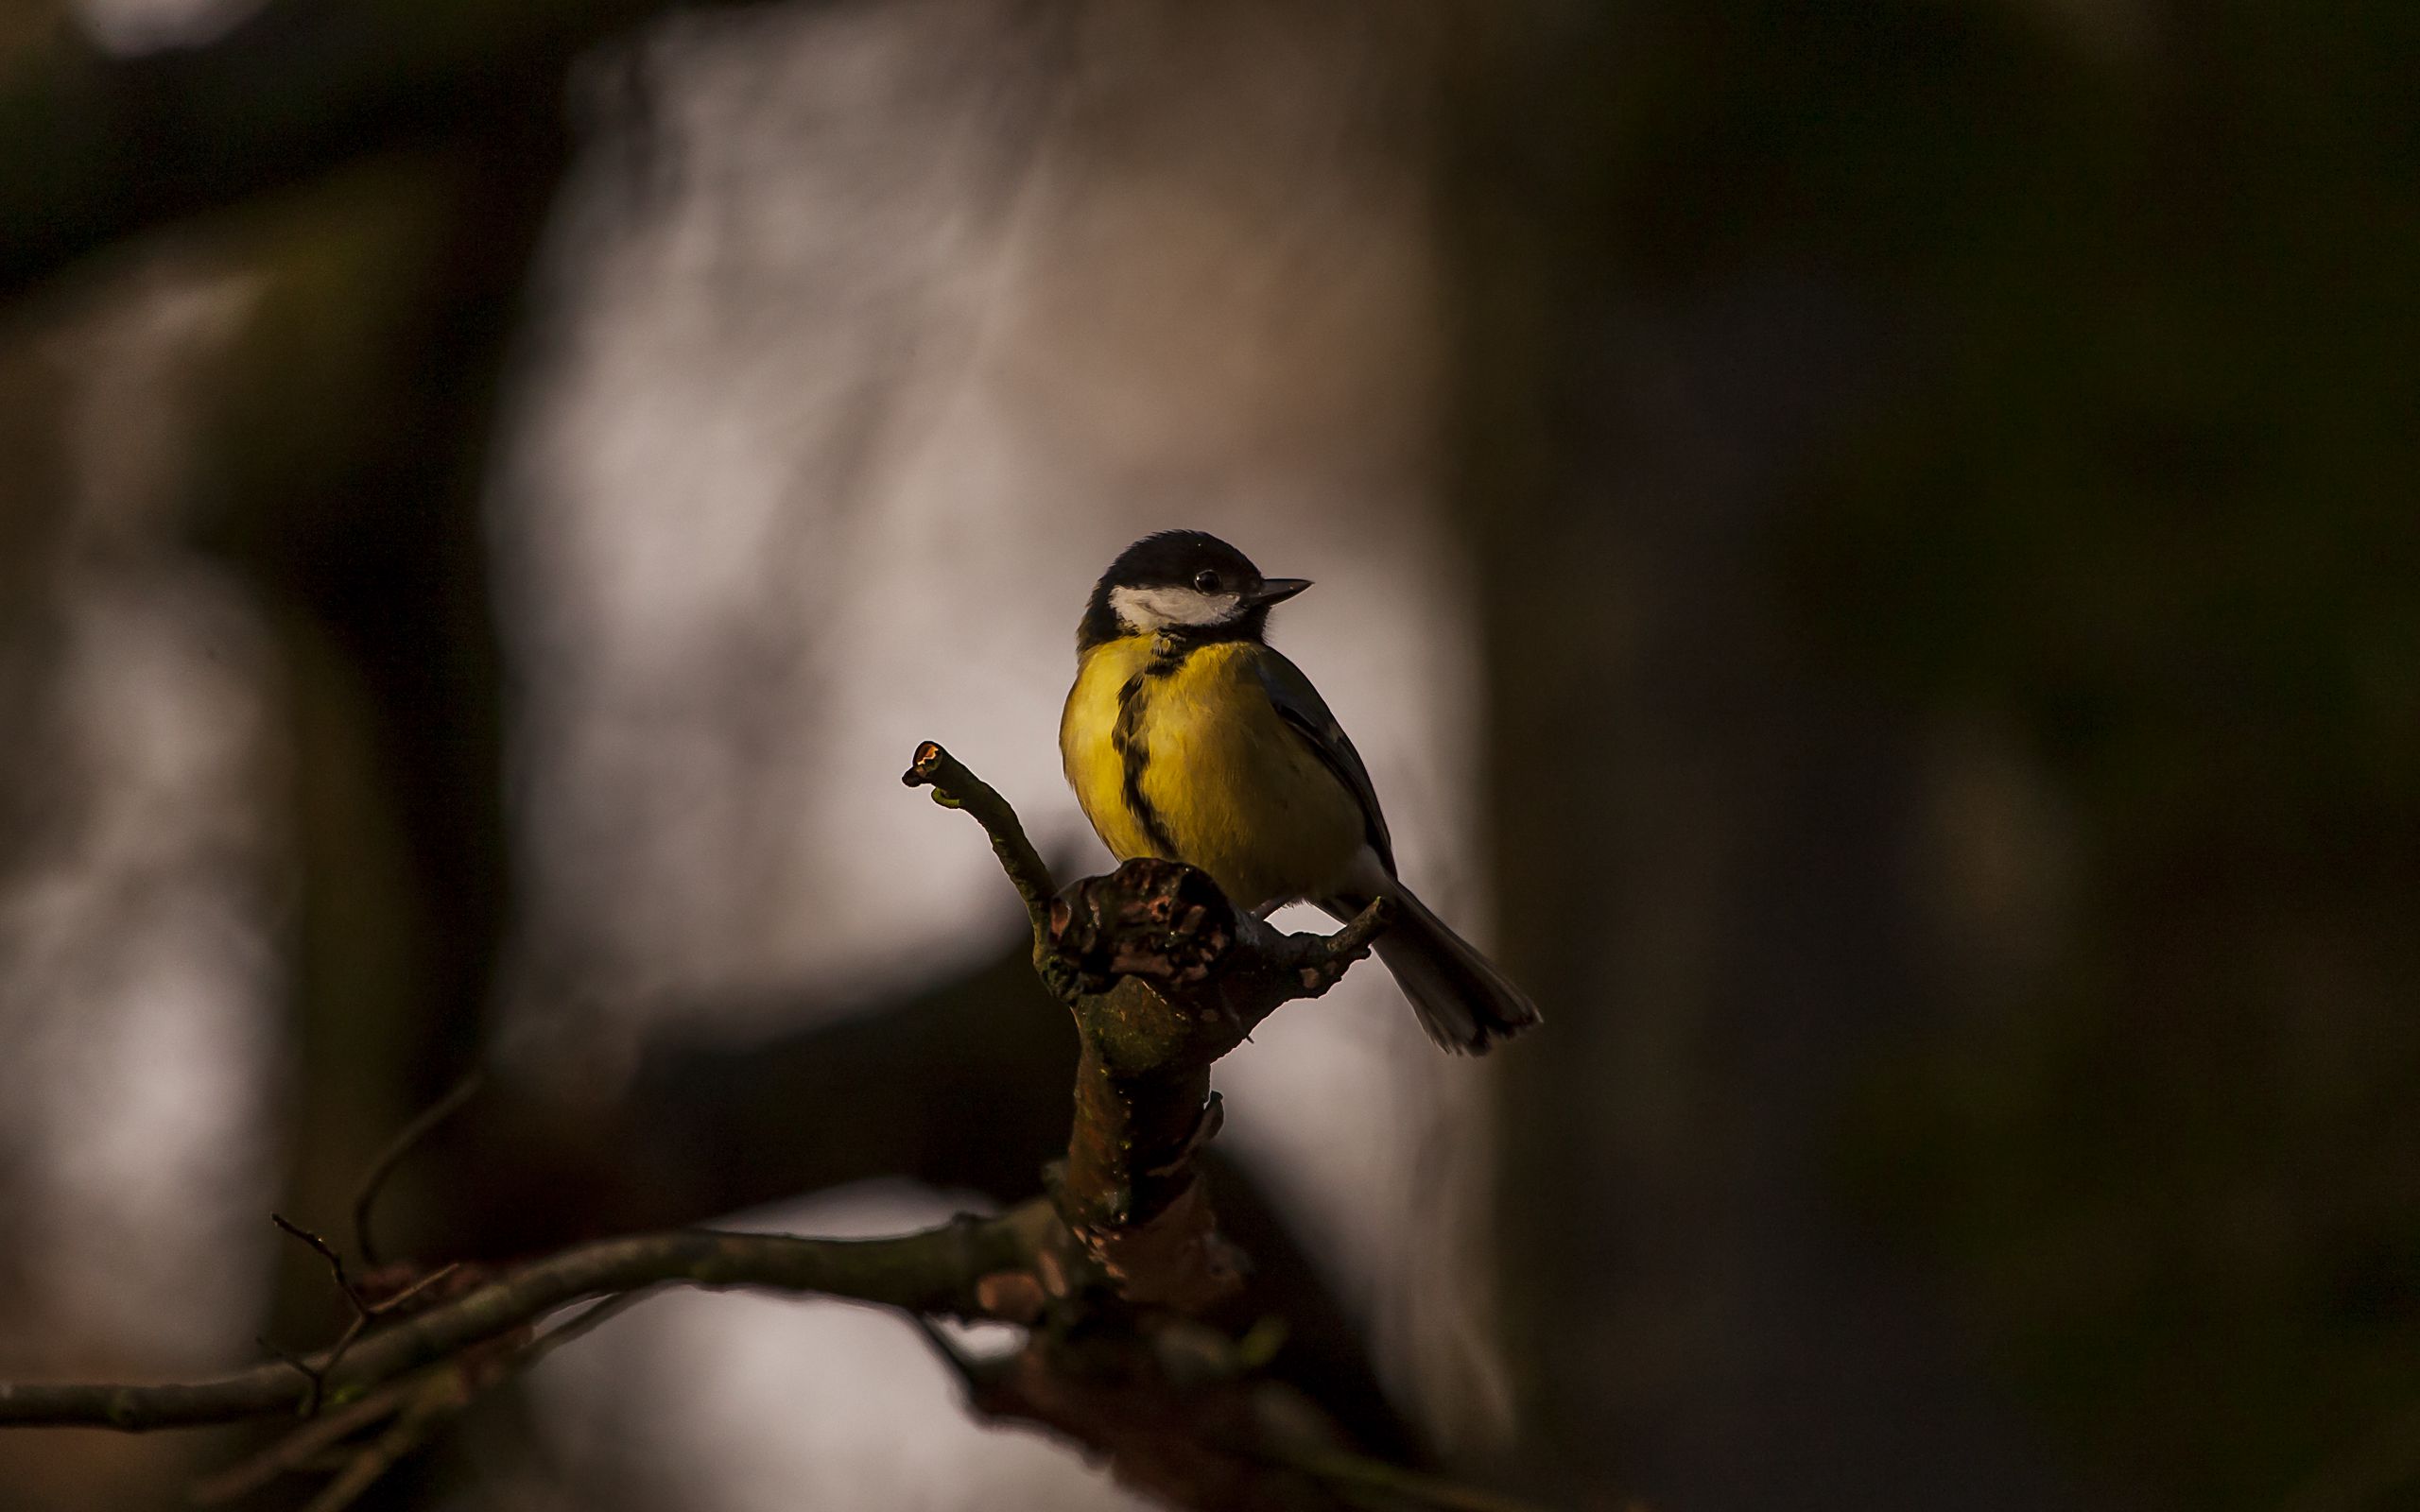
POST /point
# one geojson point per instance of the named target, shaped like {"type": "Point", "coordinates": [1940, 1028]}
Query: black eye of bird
{"type": "Point", "coordinates": [1206, 580]}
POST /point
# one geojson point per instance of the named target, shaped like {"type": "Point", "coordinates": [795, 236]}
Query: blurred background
{"type": "Point", "coordinates": [1871, 549]}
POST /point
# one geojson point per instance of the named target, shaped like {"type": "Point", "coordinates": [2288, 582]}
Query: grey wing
{"type": "Point", "coordinates": [1300, 705]}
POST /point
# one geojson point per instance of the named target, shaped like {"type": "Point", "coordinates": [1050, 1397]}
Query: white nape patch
{"type": "Point", "coordinates": [1146, 610]}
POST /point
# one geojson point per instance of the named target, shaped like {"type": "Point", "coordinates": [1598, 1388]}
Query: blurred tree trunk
{"type": "Point", "coordinates": [349, 495]}
{"type": "Point", "coordinates": [336, 447]}
{"type": "Point", "coordinates": [338, 454]}
{"type": "Point", "coordinates": [1700, 838]}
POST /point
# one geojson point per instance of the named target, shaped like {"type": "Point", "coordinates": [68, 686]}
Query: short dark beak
{"type": "Point", "coordinates": [1277, 591]}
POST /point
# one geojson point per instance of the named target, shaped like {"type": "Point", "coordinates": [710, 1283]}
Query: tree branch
{"type": "Point", "coordinates": [934, 1271]}
{"type": "Point", "coordinates": [1187, 977]}
{"type": "Point", "coordinates": [1162, 975]}
{"type": "Point", "coordinates": [954, 788]}
{"type": "Point", "coordinates": [365, 1310]}
{"type": "Point", "coordinates": [365, 1197]}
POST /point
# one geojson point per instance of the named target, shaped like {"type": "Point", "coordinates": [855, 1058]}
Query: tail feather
{"type": "Point", "coordinates": [1463, 1001]}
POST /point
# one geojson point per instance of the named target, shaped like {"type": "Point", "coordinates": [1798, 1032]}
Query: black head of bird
{"type": "Point", "coordinates": [1185, 583]}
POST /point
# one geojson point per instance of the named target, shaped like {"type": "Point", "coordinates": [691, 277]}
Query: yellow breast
{"type": "Point", "coordinates": [1186, 757]}
{"type": "Point", "coordinates": [1088, 744]}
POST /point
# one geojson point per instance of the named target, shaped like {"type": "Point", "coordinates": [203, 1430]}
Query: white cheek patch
{"type": "Point", "coordinates": [1153, 609]}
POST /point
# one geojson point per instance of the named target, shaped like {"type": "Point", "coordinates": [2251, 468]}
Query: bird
{"type": "Point", "coordinates": [1188, 737]}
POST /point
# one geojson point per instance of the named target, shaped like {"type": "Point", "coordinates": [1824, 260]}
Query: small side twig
{"type": "Point", "coordinates": [364, 1310]}
{"type": "Point", "coordinates": [937, 1270]}
{"type": "Point", "coordinates": [303, 1447]}
{"type": "Point", "coordinates": [405, 1297]}
{"type": "Point", "coordinates": [441, 1395]}
{"type": "Point", "coordinates": [325, 1251]}
{"type": "Point", "coordinates": [582, 1325]}
{"type": "Point", "coordinates": [318, 1444]}
{"type": "Point", "coordinates": [375, 1179]}
{"type": "Point", "coordinates": [954, 788]}
{"type": "Point", "coordinates": [964, 1367]}
{"type": "Point", "coordinates": [1320, 961]}
{"type": "Point", "coordinates": [314, 1377]}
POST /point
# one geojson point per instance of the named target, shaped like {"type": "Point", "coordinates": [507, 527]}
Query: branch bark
{"type": "Point", "coordinates": [1163, 976]}
{"type": "Point", "coordinates": [937, 1270]}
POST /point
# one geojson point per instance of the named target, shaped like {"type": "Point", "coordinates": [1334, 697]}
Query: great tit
{"type": "Point", "coordinates": [1188, 738]}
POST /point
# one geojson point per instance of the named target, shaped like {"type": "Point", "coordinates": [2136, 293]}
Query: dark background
{"type": "Point", "coordinates": [1898, 518]}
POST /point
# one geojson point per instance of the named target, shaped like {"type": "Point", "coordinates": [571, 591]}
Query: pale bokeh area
{"type": "Point", "coordinates": [846, 381]}
{"type": "Point", "coordinates": [142, 896]}
{"type": "Point", "coordinates": [137, 26]}
{"type": "Point", "coordinates": [849, 489]}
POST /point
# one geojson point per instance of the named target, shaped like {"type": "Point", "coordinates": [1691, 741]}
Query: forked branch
{"type": "Point", "coordinates": [1163, 975]}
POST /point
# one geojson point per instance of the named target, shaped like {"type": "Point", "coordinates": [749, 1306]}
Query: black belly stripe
{"type": "Point", "coordinates": [1126, 737]}
{"type": "Point", "coordinates": [1133, 753]}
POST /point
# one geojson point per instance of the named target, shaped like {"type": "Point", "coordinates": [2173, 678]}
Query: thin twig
{"type": "Point", "coordinates": [314, 1377]}
{"type": "Point", "coordinates": [307, 1446]}
{"type": "Point", "coordinates": [934, 1271]}
{"type": "Point", "coordinates": [1320, 961]}
{"type": "Point", "coordinates": [445, 1391]}
{"type": "Point", "coordinates": [397, 1302]}
{"type": "Point", "coordinates": [954, 788]}
{"type": "Point", "coordinates": [335, 1357]}
{"type": "Point", "coordinates": [375, 1179]}
{"type": "Point", "coordinates": [968, 1370]}
{"type": "Point", "coordinates": [579, 1327]}
{"type": "Point", "coordinates": [298, 1450]}
{"type": "Point", "coordinates": [1361, 932]}
{"type": "Point", "coordinates": [325, 1251]}
{"type": "Point", "coordinates": [364, 1310]}
{"type": "Point", "coordinates": [440, 1397]}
